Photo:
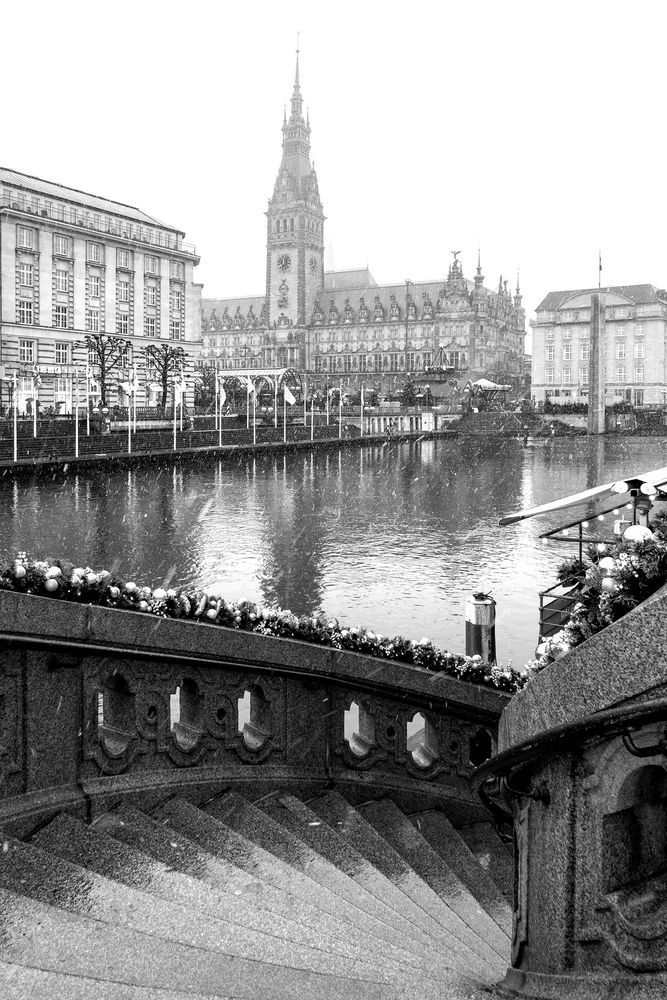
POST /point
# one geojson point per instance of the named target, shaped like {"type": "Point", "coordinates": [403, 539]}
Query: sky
{"type": "Point", "coordinates": [532, 131]}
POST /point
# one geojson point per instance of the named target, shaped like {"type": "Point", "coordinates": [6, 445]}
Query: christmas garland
{"type": "Point", "coordinates": [611, 581]}
{"type": "Point", "coordinates": [63, 580]}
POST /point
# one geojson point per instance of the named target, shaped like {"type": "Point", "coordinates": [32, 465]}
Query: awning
{"type": "Point", "coordinates": [656, 477]}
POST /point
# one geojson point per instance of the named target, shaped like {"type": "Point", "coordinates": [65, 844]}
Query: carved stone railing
{"type": "Point", "coordinates": [583, 765]}
{"type": "Point", "coordinates": [99, 705]}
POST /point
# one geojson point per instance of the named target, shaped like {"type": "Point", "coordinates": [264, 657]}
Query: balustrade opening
{"type": "Point", "coordinates": [254, 718]}
{"type": "Point", "coordinates": [422, 740]}
{"type": "Point", "coordinates": [481, 747]}
{"type": "Point", "coordinates": [116, 719]}
{"type": "Point", "coordinates": [359, 729]}
{"type": "Point", "coordinates": [186, 714]}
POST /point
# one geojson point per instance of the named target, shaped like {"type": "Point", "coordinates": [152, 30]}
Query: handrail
{"type": "Point", "coordinates": [568, 736]}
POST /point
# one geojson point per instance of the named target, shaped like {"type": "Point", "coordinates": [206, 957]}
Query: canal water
{"type": "Point", "coordinates": [390, 537]}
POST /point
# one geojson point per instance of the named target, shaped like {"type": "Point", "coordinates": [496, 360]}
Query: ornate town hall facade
{"type": "Point", "coordinates": [343, 322]}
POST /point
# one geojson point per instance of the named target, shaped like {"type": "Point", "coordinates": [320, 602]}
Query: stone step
{"type": "Point", "coordinates": [38, 936]}
{"type": "Point", "coordinates": [245, 901]}
{"type": "Point", "coordinates": [325, 880]}
{"type": "Point", "coordinates": [18, 982]}
{"type": "Point", "coordinates": [163, 838]}
{"type": "Point", "coordinates": [394, 884]}
{"type": "Point", "coordinates": [64, 885]}
{"type": "Point", "coordinates": [399, 832]}
{"type": "Point", "coordinates": [493, 856]}
{"type": "Point", "coordinates": [445, 839]}
{"type": "Point", "coordinates": [217, 836]}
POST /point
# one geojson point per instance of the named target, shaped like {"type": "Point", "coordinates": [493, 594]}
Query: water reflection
{"type": "Point", "coordinates": [391, 536]}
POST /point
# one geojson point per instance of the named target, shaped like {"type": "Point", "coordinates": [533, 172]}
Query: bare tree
{"type": "Point", "coordinates": [205, 379]}
{"type": "Point", "coordinates": [106, 354]}
{"type": "Point", "coordinates": [163, 362]}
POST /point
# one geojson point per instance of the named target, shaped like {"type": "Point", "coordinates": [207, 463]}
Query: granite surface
{"type": "Point", "coordinates": [628, 659]}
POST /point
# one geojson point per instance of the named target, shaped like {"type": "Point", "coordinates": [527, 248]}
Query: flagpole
{"type": "Point", "coordinates": [76, 418]}
{"type": "Point", "coordinates": [599, 269]}
{"type": "Point", "coordinates": [327, 394]}
{"type": "Point", "coordinates": [305, 401]}
{"type": "Point", "coordinates": [362, 410]}
{"type": "Point", "coordinates": [87, 398]}
{"type": "Point", "coordinates": [181, 394]}
{"type": "Point", "coordinates": [247, 402]}
{"type": "Point", "coordinates": [254, 418]}
{"type": "Point", "coordinates": [34, 405]}
{"type": "Point", "coordinates": [284, 416]}
{"type": "Point", "coordinates": [135, 398]}
{"type": "Point", "coordinates": [129, 426]}
{"type": "Point", "coordinates": [312, 417]}
{"type": "Point", "coordinates": [16, 428]}
{"type": "Point", "coordinates": [218, 411]}
{"type": "Point", "coordinates": [174, 390]}
{"type": "Point", "coordinates": [340, 411]}
{"type": "Point", "coordinates": [217, 422]}
{"type": "Point", "coordinates": [275, 401]}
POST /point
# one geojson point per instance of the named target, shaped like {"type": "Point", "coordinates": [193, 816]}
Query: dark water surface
{"type": "Point", "coordinates": [391, 537]}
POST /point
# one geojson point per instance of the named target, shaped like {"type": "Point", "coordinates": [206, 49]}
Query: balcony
{"type": "Point", "coordinates": [131, 232]}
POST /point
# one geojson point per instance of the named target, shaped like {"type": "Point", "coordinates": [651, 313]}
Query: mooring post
{"type": "Point", "coordinates": [481, 627]}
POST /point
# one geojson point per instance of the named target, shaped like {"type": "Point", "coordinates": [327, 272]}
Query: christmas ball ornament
{"type": "Point", "coordinates": [130, 587]}
{"type": "Point", "coordinates": [91, 578]}
{"type": "Point", "coordinates": [19, 571]}
{"type": "Point", "coordinates": [160, 594]}
{"type": "Point", "coordinates": [114, 593]}
{"type": "Point", "coordinates": [212, 614]}
{"type": "Point", "coordinates": [637, 533]}
{"type": "Point", "coordinates": [609, 584]}
{"type": "Point", "coordinates": [607, 564]}
{"type": "Point", "coordinates": [51, 585]}
{"type": "Point", "coordinates": [143, 605]}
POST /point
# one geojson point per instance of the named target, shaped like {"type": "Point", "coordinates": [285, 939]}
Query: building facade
{"type": "Point", "coordinates": [342, 324]}
{"type": "Point", "coordinates": [634, 348]}
{"type": "Point", "coordinates": [75, 264]}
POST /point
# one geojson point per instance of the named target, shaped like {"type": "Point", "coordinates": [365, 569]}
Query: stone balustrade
{"type": "Point", "coordinates": [583, 761]}
{"type": "Point", "coordinates": [99, 705]}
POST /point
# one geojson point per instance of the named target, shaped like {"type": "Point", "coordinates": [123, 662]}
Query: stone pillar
{"type": "Point", "coordinates": [596, 372]}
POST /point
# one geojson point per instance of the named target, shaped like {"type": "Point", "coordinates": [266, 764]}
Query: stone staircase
{"type": "Point", "coordinates": [267, 900]}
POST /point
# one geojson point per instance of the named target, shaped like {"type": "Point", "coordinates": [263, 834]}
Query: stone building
{"type": "Point", "coordinates": [342, 323]}
{"type": "Point", "coordinates": [76, 264]}
{"type": "Point", "coordinates": [635, 337]}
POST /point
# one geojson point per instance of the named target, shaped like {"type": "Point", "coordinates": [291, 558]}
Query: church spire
{"type": "Point", "coordinates": [296, 131]}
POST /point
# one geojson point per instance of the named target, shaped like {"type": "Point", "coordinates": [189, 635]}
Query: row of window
{"type": "Point", "coordinates": [26, 239]}
{"type": "Point", "coordinates": [618, 330]}
{"type": "Point", "coordinates": [567, 373]}
{"type": "Point", "coordinates": [372, 362]}
{"type": "Point", "coordinates": [584, 351]}
{"type": "Point", "coordinates": [62, 275]}
{"type": "Point", "coordinates": [63, 353]}
{"type": "Point", "coordinates": [61, 317]}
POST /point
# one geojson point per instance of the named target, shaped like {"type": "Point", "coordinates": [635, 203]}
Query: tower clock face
{"type": "Point", "coordinates": [312, 264]}
{"type": "Point", "coordinates": [284, 262]}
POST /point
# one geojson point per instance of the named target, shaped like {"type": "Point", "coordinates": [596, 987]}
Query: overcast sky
{"type": "Point", "coordinates": [534, 130]}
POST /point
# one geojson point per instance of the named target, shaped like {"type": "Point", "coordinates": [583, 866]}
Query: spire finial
{"type": "Point", "coordinates": [518, 289]}
{"type": "Point", "coordinates": [296, 75]}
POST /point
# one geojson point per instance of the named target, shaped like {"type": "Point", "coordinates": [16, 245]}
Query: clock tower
{"type": "Point", "coordinates": [295, 226]}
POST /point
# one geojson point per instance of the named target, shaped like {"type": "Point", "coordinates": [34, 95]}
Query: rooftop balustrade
{"type": "Point", "coordinates": [97, 222]}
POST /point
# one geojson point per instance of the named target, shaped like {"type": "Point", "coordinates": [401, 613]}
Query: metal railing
{"type": "Point", "coordinates": [556, 608]}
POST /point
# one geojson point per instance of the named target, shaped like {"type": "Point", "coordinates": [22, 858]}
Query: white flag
{"type": "Point", "coordinates": [223, 395]}
{"type": "Point", "coordinates": [251, 387]}
{"type": "Point", "coordinates": [289, 397]}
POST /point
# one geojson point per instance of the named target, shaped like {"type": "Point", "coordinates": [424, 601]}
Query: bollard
{"type": "Point", "coordinates": [481, 627]}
